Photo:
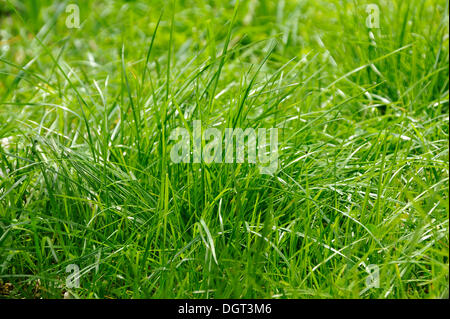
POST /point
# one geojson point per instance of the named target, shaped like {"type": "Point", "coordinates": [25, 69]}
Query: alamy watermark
{"type": "Point", "coordinates": [219, 148]}
{"type": "Point", "coordinates": [73, 279]}
{"type": "Point", "coordinates": [373, 16]}
{"type": "Point", "coordinates": [73, 16]}
{"type": "Point", "coordinates": [373, 277]}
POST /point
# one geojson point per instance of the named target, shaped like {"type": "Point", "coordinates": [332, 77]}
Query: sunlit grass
{"type": "Point", "coordinates": [86, 177]}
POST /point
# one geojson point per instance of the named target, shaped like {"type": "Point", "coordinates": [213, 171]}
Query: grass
{"type": "Point", "coordinates": [86, 177]}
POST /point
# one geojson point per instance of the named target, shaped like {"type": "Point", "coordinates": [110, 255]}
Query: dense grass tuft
{"type": "Point", "coordinates": [86, 177]}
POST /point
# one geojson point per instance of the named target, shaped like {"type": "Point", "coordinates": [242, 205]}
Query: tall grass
{"type": "Point", "coordinates": [86, 177]}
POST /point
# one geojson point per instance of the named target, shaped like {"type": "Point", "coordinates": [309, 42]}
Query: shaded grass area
{"type": "Point", "coordinates": [86, 177]}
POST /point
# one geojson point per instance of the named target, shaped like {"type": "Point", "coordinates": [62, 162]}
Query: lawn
{"type": "Point", "coordinates": [93, 204]}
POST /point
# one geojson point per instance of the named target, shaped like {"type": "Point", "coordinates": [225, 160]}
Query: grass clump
{"type": "Point", "coordinates": [86, 177]}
